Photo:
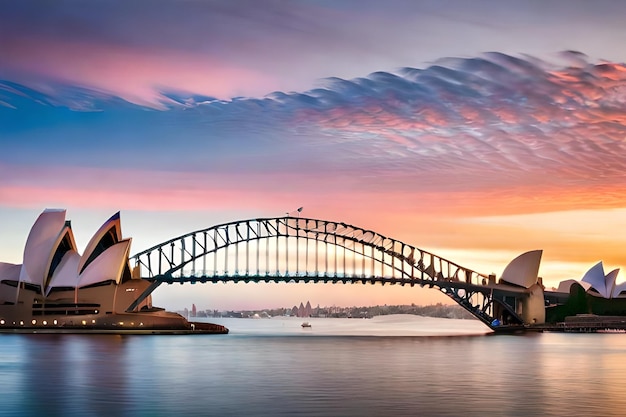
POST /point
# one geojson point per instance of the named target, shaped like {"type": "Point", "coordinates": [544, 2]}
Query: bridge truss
{"type": "Point", "coordinates": [294, 249]}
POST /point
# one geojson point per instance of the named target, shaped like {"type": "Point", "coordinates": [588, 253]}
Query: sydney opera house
{"type": "Point", "coordinates": [588, 304]}
{"type": "Point", "coordinates": [56, 289]}
{"type": "Point", "coordinates": [596, 293]}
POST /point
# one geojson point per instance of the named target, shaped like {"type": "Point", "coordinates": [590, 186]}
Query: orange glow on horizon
{"type": "Point", "coordinates": [481, 231]}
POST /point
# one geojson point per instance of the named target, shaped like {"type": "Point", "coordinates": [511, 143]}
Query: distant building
{"type": "Point", "coordinates": [193, 310]}
{"type": "Point", "coordinates": [302, 311]}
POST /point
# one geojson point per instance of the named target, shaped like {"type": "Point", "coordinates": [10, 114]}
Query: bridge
{"type": "Point", "coordinates": [295, 249]}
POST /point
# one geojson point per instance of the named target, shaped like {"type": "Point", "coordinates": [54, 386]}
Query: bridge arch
{"type": "Point", "coordinates": [298, 249]}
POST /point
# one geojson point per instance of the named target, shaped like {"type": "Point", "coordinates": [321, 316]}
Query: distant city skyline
{"type": "Point", "coordinates": [475, 130]}
{"type": "Point", "coordinates": [432, 310]}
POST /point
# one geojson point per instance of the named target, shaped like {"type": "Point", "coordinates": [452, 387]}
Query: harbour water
{"type": "Point", "coordinates": [394, 365]}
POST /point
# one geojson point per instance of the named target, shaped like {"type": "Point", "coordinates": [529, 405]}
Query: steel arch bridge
{"type": "Point", "coordinates": [295, 249]}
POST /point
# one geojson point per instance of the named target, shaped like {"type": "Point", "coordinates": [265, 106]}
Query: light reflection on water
{"type": "Point", "coordinates": [273, 367]}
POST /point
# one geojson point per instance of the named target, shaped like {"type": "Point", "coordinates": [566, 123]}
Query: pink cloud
{"type": "Point", "coordinates": [132, 73]}
{"type": "Point", "coordinates": [430, 220]}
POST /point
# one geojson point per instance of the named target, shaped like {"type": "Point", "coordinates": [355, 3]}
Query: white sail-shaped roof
{"type": "Point", "coordinates": [109, 265]}
{"type": "Point", "coordinates": [51, 259]}
{"type": "Point", "coordinates": [64, 242]}
{"type": "Point", "coordinates": [610, 282]}
{"type": "Point", "coordinates": [619, 288]}
{"type": "Point", "coordinates": [595, 276]}
{"type": "Point", "coordinates": [66, 274]}
{"type": "Point", "coordinates": [9, 272]}
{"type": "Point", "coordinates": [595, 279]}
{"type": "Point", "coordinates": [107, 235]}
{"type": "Point", "coordinates": [524, 269]}
{"type": "Point", "coordinates": [565, 286]}
{"type": "Point", "coordinates": [40, 246]}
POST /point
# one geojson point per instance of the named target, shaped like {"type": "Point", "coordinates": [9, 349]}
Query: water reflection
{"type": "Point", "coordinates": [72, 372]}
{"type": "Point", "coordinates": [278, 373]}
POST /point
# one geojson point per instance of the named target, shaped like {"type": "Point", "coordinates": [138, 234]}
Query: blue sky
{"type": "Point", "coordinates": [480, 129]}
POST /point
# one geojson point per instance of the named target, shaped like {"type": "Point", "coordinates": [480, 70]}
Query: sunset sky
{"type": "Point", "coordinates": [476, 130]}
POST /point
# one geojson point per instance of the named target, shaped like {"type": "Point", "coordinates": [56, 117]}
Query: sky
{"type": "Point", "coordinates": [475, 130]}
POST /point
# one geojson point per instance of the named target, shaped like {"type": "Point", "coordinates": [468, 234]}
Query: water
{"type": "Point", "coordinates": [273, 367]}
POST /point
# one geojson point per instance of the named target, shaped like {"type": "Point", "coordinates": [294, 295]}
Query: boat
{"type": "Point", "coordinates": [58, 290]}
{"type": "Point", "coordinates": [306, 324]}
